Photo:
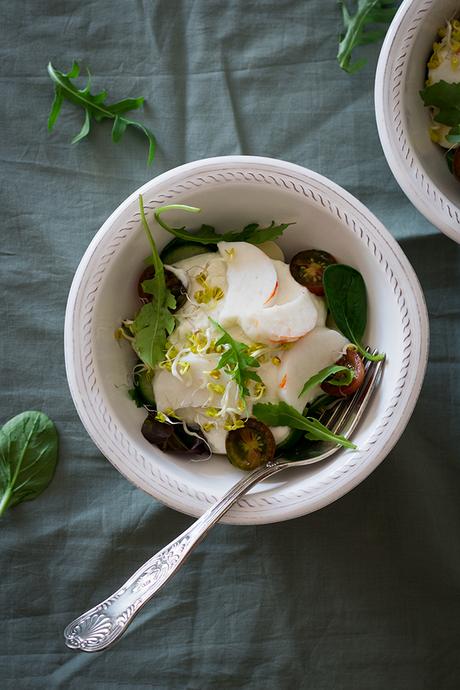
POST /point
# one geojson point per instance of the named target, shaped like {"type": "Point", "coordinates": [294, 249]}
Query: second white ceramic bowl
{"type": "Point", "coordinates": [417, 163]}
{"type": "Point", "coordinates": [233, 191]}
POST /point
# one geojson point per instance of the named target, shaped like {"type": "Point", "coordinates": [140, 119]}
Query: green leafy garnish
{"type": "Point", "coordinates": [154, 322]}
{"type": "Point", "coordinates": [282, 414]}
{"type": "Point", "coordinates": [237, 360]}
{"type": "Point", "coordinates": [207, 233]}
{"type": "Point", "coordinates": [95, 107]}
{"type": "Point", "coordinates": [28, 457]}
{"type": "Point", "coordinates": [359, 29]}
{"type": "Point", "coordinates": [344, 380]}
{"type": "Point", "coordinates": [446, 98]}
{"type": "Point", "coordinates": [345, 293]}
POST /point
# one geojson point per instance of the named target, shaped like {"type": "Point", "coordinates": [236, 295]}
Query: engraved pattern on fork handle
{"type": "Point", "coordinates": [102, 625]}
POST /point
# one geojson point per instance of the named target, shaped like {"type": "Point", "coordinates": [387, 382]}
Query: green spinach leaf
{"type": "Point", "coordinates": [282, 414]}
{"type": "Point", "coordinates": [207, 234]}
{"type": "Point", "coordinates": [346, 298]}
{"type": "Point", "coordinates": [446, 98]}
{"type": "Point", "coordinates": [360, 28]}
{"type": "Point", "coordinates": [154, 322]}
{"type": "Point", "coordinates": [95, 107]}
{"type": "Point", "coordinates": [28, 457]}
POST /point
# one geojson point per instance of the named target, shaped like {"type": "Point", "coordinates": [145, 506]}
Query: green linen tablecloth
{"type": "Point", "coordinates": [363, 595]}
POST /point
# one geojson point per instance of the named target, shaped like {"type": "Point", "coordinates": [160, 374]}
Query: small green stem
{"type": "Point", "coordinates": [6, 498]}
{"type": "Point", "coordinates": [173, 207]}
{"type": "Point", "coordinates": [367, 355]}
{"type": "Point", "coordinates": [157, 262]}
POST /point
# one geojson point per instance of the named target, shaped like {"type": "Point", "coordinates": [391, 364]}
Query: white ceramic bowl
{"type": "Point", "coordinates": [233, 191]}
{"type": "Point", "coordinates": [418, 164]}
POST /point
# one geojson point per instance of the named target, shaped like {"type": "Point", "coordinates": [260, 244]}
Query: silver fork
{"type": "Point", "coordinates": [105, 623]}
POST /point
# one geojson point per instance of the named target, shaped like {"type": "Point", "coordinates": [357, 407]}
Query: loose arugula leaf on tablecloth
{"type": "Point", "coordinates": [359, 30]}
{"type": "Point", "coordinates": [345, 379]}
{"type": "Point", "coordinates": [237, 360]}
{"type": "Point", "coordinates": [282, 414]}
{"type": "Point", "coordinates": [28, 457]}
{"type": "Point", "coordinates": [154, 322]}
{"type": "Point", "coordinates": [446, 98]}
{"type": "Point", "coordinates": [207, 234]}
{"type": "Point", "coordinates": [345, 293]}
{"type": "Point", "coordinates": [95, 107]}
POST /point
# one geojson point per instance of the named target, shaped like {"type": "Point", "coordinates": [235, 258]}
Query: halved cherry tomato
{"type": "Point", "coordinates": [353, 361]}
{"type": "Point", "coordinates": [307, 268]}
{"type": "Point", "coordinates": [251, 446]}
{"type": "Point", "coordinates": [172, 283]}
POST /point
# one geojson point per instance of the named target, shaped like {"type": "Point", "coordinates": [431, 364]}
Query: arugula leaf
{"type": "Point", "coordinates": [446, 98]}
{"type": "Point", "coordinates": [282, 414]}
{"type": "Point", "coordinates": [154, 322]}
{"type": "Point", "coordinates": [95, 107]}
{"type": "Point", "coordinates": [357, 31]}
{"type": "Point", "coordinates": [28, 457]}
{"type": "Point", "coordinates": [346, 298]}
{"type": "Point", "coordinates": [344, 380]}
{"type": "Point", "coordinates": [207, 234]}
{"type": "Point", "coordinates": [237, 360]}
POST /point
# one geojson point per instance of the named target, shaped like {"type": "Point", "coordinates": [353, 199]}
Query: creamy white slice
{"type": "Point", "coordinates": [290, 314]}
{"type": "Point", "coordinates": [315, 351]}
{"type": "Point", "coordinates": [258, 302]}
{"type": "Point", "coordinates": [252, 281]}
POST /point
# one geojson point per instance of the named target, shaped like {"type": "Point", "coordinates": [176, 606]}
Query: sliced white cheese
{"type": "Point", "coordinates": [174, 389]}
{"type": "Point", "coordinates": [287, 317]}
{"type": "Point", "coordinates": [318, 349]}
{"type": "Point", "coordinates": [262, 303]}
{"type": "Point", "coordinates": [251, 281]}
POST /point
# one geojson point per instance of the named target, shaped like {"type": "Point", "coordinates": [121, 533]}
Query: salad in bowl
{"type": "Point", "coordinates": [442, 92]}
{"type": "Point", "coordinates": [226, 345]}
{"type": "Point", "coordinates": [235, 351]}
{"type": "Point", "coordinates": [417, 96]}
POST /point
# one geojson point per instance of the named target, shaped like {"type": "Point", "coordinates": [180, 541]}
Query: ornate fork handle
{"type": "Point", "coordinates": [102, 625]}
{"type": "Point", "coordinates": [105, 623]}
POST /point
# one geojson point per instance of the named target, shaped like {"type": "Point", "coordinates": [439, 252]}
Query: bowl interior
{"type": "Point", "coordinates": [431, 156]}
{"type": "Point", "coordinates": [231, 205]}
